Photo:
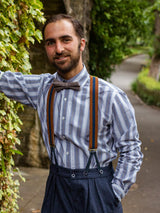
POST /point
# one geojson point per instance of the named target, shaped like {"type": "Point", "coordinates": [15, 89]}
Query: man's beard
{"type": "Point", "coordinates": [74, 60]}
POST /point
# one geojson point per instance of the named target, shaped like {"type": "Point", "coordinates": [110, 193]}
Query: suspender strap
{"type": "Point", "coordinates": [50, 124]}
{"type": "Point", "coordinates": [93, 135]}
{"type": "Point", "coordinates": [93, 113]}
{"type": "Point", "coordinates": [50, 109]}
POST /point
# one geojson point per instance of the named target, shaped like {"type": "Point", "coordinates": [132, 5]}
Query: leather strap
{"type": "Point", "coordinates": [50, 110]}
{"type": "Point", "coordinates": [93, 113]}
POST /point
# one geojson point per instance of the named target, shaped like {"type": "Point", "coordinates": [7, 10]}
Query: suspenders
{"type": "Point", "coordinates": [50, 125]}
{"type": "Point", "coordinates": [93, 132]}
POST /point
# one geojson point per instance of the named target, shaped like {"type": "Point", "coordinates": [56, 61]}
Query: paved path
{"type": "Point", "coordinates": [144, 196]}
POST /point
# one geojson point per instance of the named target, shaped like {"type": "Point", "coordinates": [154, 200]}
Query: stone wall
{"type": "Point", "coordinates": [31, 141]}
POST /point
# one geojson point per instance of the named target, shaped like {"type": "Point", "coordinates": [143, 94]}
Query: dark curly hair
{"type": "Point", "coordinates": [76, 24]}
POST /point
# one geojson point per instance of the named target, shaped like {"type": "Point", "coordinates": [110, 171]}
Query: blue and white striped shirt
{"type": "Point", "coordinates": [117, 129]}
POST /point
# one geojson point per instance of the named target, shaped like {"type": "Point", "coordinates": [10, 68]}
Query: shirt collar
{"type": "Point", "coordinates": [81, 77]}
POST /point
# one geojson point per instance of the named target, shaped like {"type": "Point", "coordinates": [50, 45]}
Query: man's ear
{"type": "Point", "coordinates": [82, 44]}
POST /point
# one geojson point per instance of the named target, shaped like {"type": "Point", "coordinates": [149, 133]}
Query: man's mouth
{"type": "Point", "coordinates": [60, 59]}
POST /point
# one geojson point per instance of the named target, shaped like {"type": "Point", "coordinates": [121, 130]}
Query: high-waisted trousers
{"type": "Point", "coordinates": [80, 191]}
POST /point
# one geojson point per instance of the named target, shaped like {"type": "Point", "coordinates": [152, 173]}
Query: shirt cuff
{"type": "Point", "coordinates": [118, 191]}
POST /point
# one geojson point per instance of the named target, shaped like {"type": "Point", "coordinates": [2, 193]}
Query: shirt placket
{"type": "Point", "coordinates": [62, 115]}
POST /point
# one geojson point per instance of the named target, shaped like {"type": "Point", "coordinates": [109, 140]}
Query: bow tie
{"type": "Point", "coordinates": [59, 85]}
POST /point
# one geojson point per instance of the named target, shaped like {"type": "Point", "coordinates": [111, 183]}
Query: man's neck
{"type": "Point", "coordinates": [71, 73]}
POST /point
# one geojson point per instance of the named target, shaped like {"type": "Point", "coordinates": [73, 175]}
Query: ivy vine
{"type": "Point", "coordinates": [17, 32]}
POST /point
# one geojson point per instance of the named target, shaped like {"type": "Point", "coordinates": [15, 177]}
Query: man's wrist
{"type": "Point", "coordinates": [118, 191]}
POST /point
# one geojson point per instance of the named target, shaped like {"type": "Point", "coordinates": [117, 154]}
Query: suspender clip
{"type": "Point", "coordinates": [92, 150]}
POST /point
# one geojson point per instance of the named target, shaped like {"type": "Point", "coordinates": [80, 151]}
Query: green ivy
{"type": "Point", "coordinates": [116, 25]}
{"type": "Point", "coordinates": [17, 32]}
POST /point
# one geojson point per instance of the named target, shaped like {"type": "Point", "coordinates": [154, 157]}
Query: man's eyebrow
{"type": "Point", "coordinates": [49, 39]}
{"type": "Point", "coordinates": [65, 36]}
{"type": "Point", "coordinates": [61, 37]}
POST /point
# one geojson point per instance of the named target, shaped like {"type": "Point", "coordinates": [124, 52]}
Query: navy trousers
{"type": "Point", "coordinates": [78, 191]}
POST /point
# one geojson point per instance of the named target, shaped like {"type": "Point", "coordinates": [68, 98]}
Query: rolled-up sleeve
{"type": "Point", "coordinates": [126, 141]}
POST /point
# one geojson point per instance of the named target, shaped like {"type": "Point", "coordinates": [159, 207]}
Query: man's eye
{"type": "Point", "coordinates": [67, 40]}
{"type": "Point", "coordinates": [50, 43]}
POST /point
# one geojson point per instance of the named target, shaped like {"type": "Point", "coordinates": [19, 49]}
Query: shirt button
{"type": "Point", "coordinates": [63, 118]}
{"type": "Point", "coordinates": [65, 99]}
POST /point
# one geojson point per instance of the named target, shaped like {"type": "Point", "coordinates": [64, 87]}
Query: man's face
{"type": "Point", "coordinates": [63, 46]}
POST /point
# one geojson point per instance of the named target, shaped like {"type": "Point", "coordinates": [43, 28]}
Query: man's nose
{"type": "Point", "coordinates": [59, 47]}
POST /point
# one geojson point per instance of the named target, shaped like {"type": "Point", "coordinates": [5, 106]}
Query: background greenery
{"type": "Point", "coordinates": [117, 26]}
{"type": "Point", "coordinates": [123, 28]}
{"type": "Point", "coordinates": [147, 88]}
{"type": "Point", "coordinates": [17, 31]}
{"type": "Point", "coordinates": [147, 85]}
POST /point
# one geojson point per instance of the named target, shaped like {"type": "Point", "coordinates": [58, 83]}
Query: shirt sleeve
{"type": "Point", "coordinates": [126, 140]}
{"type": "Point", "coordinates": [22, 88]}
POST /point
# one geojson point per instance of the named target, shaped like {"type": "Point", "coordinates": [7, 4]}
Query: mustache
{"type": "Point", "coordinates": [63, 54]}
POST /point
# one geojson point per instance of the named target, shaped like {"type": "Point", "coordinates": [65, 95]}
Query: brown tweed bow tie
{"type": "Point", "coordinates": [59, 85]}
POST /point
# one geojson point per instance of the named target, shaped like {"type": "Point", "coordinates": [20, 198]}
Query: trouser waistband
{"type": "Point", "coordinates": [82, 173]}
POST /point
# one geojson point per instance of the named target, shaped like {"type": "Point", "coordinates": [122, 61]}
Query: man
{"type": "Point", "coordinates": [81, 142]}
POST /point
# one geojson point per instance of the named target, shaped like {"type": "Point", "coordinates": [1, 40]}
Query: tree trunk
{"type": "Point", "coordinates": [155, 63]}
{"type": "Point", "coordinates": [154, 71]}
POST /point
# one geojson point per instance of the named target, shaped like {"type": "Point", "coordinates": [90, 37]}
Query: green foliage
{"type": "Point", "coordinates": [116, 24]}
{"type": "Point", "coordinates": [149, 82]}
{"type": "Point", "coordinates": [17, 31]}
{"type": "Point", "coordinates": [147, 88]}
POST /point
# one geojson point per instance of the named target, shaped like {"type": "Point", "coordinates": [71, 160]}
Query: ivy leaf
{"type": "Point", "coordinates": [15, 151]}
{"type": "Point", "coordinates": [3, 164]}
{"type": "Point", "coordinates": [2, 112]}
{"type": "Point", "coordinates": [38, 35]}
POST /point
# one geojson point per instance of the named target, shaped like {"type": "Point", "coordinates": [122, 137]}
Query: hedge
{"type": "Point", "coordinates": [147, 88]}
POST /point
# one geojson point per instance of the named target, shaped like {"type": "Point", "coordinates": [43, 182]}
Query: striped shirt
{"type": "Point", "coordinates": [117, 129]}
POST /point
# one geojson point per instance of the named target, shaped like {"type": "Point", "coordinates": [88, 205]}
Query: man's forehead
{"type": "Point", "coordinates": [60, 27]}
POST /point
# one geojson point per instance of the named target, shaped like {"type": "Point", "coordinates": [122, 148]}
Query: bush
{"type": "Point", "coordinates": [147, 88]}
